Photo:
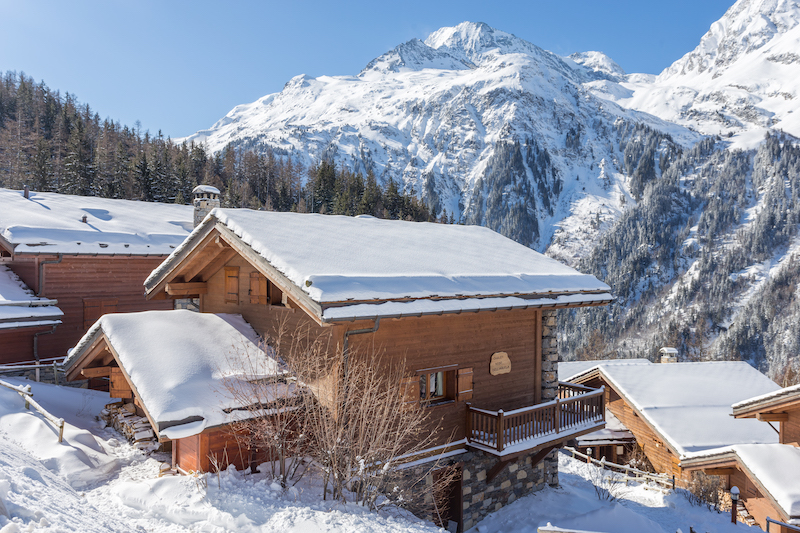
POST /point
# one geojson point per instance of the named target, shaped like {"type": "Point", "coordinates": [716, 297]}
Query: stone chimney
{"type": "Point", "coordinates": [206, 198]}
{"type": "Point", "coordinates": [668, 355]}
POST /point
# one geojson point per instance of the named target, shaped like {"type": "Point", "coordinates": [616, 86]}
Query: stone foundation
{"type": "Point", "coordinates": [517, 479]}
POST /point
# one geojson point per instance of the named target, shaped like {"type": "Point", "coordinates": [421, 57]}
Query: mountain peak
{"type": "Point", "coordinates": [472, 40]}
{"type": "Point", "coordinates": [746, 27]}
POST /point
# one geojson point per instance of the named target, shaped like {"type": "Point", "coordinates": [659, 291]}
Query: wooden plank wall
{"type": "Point", "coordinates": [790, 429]}
{"type": "Point", "coordinates": [17, 344]}
{"type": "Point", "coordinates": [467, 340]}
{"type": "Point", "coordinates": [79, 277]}
{"type": "Point", "coordinates": [758, 506]}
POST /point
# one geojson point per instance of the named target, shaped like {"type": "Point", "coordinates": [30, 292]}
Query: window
{"type": "Point", "coordinates": [432, 387]}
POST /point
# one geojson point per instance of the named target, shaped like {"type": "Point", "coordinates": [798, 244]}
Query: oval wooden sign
{"type": "Point", "coordinates": [500, 364]}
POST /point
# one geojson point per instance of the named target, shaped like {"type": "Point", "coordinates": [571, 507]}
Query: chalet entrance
{"type": "Point", "coordinates": [449, 509]}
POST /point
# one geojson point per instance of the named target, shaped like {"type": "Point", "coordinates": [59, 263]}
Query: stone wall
{"type": "Point", "coordinates": [519, 478]}
{"type": "Point", "coordinates": [549, 356]}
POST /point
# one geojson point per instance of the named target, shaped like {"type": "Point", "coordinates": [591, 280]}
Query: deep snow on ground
{"type": "Point", "coordinates": [575, 504]}
{"type": "Point", "coordinates": [96, 482]}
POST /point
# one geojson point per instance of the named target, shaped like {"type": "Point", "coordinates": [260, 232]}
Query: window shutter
{"type": "Point", "coordinates": [258, 288]}
{"type": "Point", "coordinates": [231, 285]}
{"type": "Point", "coordinates": [464, 384]}
{"type": "Point", "coordinates": [409, 388]}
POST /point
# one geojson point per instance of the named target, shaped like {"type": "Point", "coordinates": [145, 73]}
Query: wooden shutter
{"type": "Point", "coordinates": [258, 288]}
{"type": "Point", "coordinates": [231, 285]}
{"type": "Point", "coordinates": [464, 385]}
{"type": "Point", "coordinates": [118, 386]}
{"type": "Point", "coordinates": [94, 308]}
{"type": "Point", "coordinates": [409, 388]}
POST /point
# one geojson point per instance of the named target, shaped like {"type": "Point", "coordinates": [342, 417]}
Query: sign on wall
{"type": "Point", "coordinates": [500, 364]}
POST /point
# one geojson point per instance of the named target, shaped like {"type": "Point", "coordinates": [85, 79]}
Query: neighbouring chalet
{"type": "Point", "coordinates": [88, 254]}
{"type": "Point", "coordinates": [183, 371]}
{"type": "Point", "coordinates": [767, 475]}
{"type": "Point", "coordinates": [472, 314]}
{"type": "Point", "coordinates": [675, 410]}
{"type": "Point", "coordinates": [23, 317]}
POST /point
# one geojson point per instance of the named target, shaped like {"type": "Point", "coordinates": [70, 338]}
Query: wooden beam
{"type": "Point", "coordinates": [96, 372]}
{"type": "Point", "coordinates": [199, 262]}
{"type": "Point", "coordinates": [184, 257]}
{"type": "Point", "coordinates": [187, 289]}
{"type": "Point", "coordinates": [219, 261]}
{"type": "Point", "coordinates": [772, 417]}
{"type": "Point", "coordinates": [719, 471]}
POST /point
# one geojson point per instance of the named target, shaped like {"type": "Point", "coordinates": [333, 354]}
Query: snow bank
{"type": "Point", "coordinates": [80, 459]}
{"type": "Point", "coordinates": [53, 223]}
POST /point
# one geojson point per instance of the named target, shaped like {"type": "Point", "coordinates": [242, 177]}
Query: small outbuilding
{"type": "Point", "coordinates": [186, 373]}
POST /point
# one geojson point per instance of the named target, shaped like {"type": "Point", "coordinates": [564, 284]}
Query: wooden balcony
{"type": "Point", "coordinates": [577, 410]}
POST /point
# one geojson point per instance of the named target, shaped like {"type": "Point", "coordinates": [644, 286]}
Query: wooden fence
{"type": "Point", "coordinates": [630, 473]}
{"type": "Point", "coordinates": [27, 395]}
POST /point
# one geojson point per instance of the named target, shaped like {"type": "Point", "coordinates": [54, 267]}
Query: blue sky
{"type": "Point", "coordinates": [179, 66]}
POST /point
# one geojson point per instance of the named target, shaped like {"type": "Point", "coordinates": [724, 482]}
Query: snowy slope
{"type": "Point", "coordinates": [742, 79]}
{"type": "Point", "coordinates": [443, 115]}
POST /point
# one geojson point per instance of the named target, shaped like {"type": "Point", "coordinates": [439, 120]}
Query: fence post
{"type": "Point", "coordinates": [28, 392]}
{"type": "Point", "coordinates": [61, 431]}
{"type": "Point", "coordinates": [673, 481]}
{"type": "Point", "coordinates": [55, 372]}
{"type": "Point", "coordinates": [557, 421]}
{"type": "Point", "coordinates": [500, 431]}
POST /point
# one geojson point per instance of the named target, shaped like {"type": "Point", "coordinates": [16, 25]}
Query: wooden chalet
{"type": "Point", "coordinates": [675, 410]}
{"type": "Point", "coordinates": [471, 313]}
{"type": "Point", "coordinates": [767, 475]}
{"type": "Point", "coordinates": [183, 374]}
{"type": "Point", "coordinates": [89, 254]}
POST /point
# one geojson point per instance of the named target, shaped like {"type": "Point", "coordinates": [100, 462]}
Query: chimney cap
{"type": "Point", "coordinates": [205, 189]}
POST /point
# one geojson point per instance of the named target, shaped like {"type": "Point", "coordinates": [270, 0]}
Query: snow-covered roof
{"type": "Point", "coordinates": [570, 369]}
{"type": "Point", "coordinates": [689, 404]}
{"type": "Point", "coordinates": [775, 466]}
{"type": "Point", "coordinates": [20, 308]}
{"type": "Point", "coordinates": [780, 396]}
{"type": "Point", "coordinates": [48, 223]}
{"type": "Point", "coordinates": [183, 365]}
{"type": "Point", "coordinates": [357, 262]}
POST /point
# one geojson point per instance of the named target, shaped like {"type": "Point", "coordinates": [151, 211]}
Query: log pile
{"type": "Point", "coordinates": [137, 429]}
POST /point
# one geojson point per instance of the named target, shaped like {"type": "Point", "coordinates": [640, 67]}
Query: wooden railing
{"type": "Point", "coordinates": [499, 429]}
{"type": "Point", "coordinates": [27, 395]}
{"type": "Point", "coordinates": [568, 390]}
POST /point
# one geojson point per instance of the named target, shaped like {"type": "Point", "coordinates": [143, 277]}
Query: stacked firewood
{"type": "Point", "coordinates": [137, 429]}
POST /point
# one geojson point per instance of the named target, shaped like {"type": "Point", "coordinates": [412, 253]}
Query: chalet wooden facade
{"type": "Point", "coordinates": [91, 255]}
{"type": "Point", "coordinates": [675, 410]}
{"type": "Point", "coordinates": [767, 475]}
{"type": "Point", "coordinates": [471, 313]}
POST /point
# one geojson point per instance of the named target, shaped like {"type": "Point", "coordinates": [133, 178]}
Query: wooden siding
{"type": "Point", "coordinates": [466, 341]}
{"type": "Point", "coordinates": [17, 344]}
{"type": "Point", "coordinates": [756, 503]}
{"type": "Point", "coordinates": [86, 277]}
{"type": "Point", "coordinates": [790, 429]}
{"type": "Point", "coordinates": [194, 454]}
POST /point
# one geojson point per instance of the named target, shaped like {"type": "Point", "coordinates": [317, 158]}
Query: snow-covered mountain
{"type": "Point", "coordinates": [605, 170]}
{"type": "Point", "coordinates": [742, 79]}
{"type": "Point", "coordinates": [479, 122]}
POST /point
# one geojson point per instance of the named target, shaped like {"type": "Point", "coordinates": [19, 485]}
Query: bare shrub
{"type": "Point", "coordinates": [638, 460]}
{"type": "Point", "coordinates": [607, 485]}
{"type": "Point", "coordinates": [347, 412]}
{"type": "Point", "coordinates": [704, 490]}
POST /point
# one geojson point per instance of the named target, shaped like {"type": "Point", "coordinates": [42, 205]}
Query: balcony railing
{"type": "Point", "coordinates": [576, 409]}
